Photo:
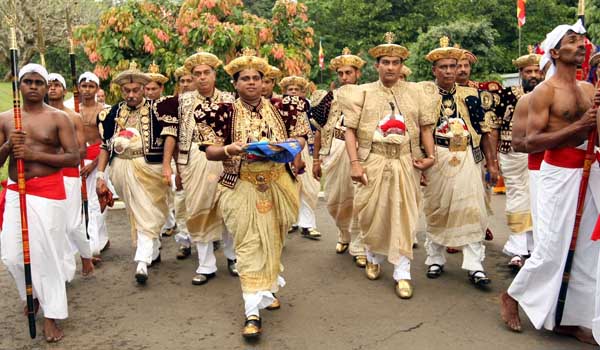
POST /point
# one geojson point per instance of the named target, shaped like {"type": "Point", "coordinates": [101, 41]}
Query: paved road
{"type": "Point", "coordinates": [327, 304]}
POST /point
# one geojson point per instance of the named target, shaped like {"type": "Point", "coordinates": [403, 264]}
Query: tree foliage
{"type": "Point", "coordinates": [478, 36]}
{"type": "Point", "coordinates": [361, 24]}
{"type": "Point", "coordinates": [167, 33]}
{"type": "Point", "coordinates": [53, 24]}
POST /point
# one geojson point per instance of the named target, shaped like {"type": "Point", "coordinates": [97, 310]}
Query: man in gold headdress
{"type": "Point", "coordinates": [454, 196]}
{"type": "Point", "coordinates": [132, 143]}
{"type": "Point", "coordinates": [257, 197]}
{"type": "Point", "coordinates": [383, 121]}
{"type": "Point", "coordinates": [185, 80]}
{"type": "Point", "coordinates": [271, 79]}
{"type": "Point", "coordinates": [309, 187]}
{"type": "Point", "coordinates": [153, 91]}
{"type": "Point", "coordinates": [514, 165]}
{"type": "Point", "coordinates": [489, 96]}
{"type": "Point", "coordinates": [198, 175]}
{"type": "Point", "coordinates": [331, 159]}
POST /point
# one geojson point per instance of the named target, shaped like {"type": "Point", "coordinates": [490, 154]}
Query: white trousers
{"type": "Point", "coordinates": [401, 270]}
{"type": "Point", "coordinates": [47, 243]}
{"type": "Point", "coordinates": [519, 244]}
{"type": "Point", "coordinates": [254, 302]}
{"type": "Point", "coordinates": [96, 224]}
{"type": "Point", "coordinates": [147, 248]}
{"type": "Point", "coordinates": [306, 216]}
{"type": "Point", "coordinates": [473, 255]}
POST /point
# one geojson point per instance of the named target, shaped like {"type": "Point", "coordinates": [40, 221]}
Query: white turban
{"type": "Point", "coordinates": [89, 76]}
{"type": "Point", "coordinates": [553, 38]}
{"type": "Point", "coordinates": [34, 68]}
{"type": "Point", "coordinates": [59, 78]}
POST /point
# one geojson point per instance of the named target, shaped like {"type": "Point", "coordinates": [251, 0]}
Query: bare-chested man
{"type": "Point", "coordinates": [79, 242]}
{"type": "Point", "coordinates": [89, 108]}
{"type": "Point", "coordinates": [47, 144]}
{"type": "Point", "coordinates": [560, 117]}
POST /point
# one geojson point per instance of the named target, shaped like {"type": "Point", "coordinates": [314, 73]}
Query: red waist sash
{"type": "Point", "coordinates": [534, 160]}
{"type": "Point", "coordinates": [70, 172]}
{"type": "Point", "coordinates": [568, 157]}
{"type": "Point", "coordinates": [51, 187]}
{"type": "Point", "coordinates": [93, 151]}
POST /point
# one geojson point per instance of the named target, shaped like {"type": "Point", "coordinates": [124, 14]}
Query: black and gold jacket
{"type": "Point", "coordinates": [226, 123]}
{"type": "Point", "coordinates": [464, 103]}
{"type": "Point", "coordinates": [505, 110]}
{"type": "Point", "coordinates": [178, 116]}
{"type": "Point", "coordinates": [112, 120]}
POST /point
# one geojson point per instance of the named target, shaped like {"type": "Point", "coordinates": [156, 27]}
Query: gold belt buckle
{"type": "Point", "coordinates": [261, 183]}
{"type": "Point", "coordinates": [457, 144]}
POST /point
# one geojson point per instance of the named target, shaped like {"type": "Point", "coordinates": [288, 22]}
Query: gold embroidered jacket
{"type": "Point", "coordinates": [365, 105]}
{"type": "Point", "coordinates": [508, 100]}
{"type": "Point", "coordinates": [178, 116]}
{"type": "Point", "coordinates": [226, 123]}
{"type": "Point", "coordinates": [110, 123]}
{"type": "Point", "coordinates": [467, 106]}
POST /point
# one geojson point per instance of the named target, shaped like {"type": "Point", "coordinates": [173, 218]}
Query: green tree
{"type": "Point", "coordinates": [168, 32]}
{"type": "Point", "coordinates": [478, 36]}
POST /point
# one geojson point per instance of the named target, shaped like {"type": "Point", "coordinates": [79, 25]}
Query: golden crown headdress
{"type": "Point", "coordinates": [346, 59]}
{"type": "Point", "coordinates": [154, 74]}
{"type": "Point", "coordinates": [294, 80]}
{"type": "Point", "coordinates": [248, 60]}
{"type": "Point", "coordinates": [389, 48]}
{"type": "Point", "coordinates": [181, 71]}
{"type": "Point", "coordinates": [274, 73]}
{"type": "Point", "coordinates": [444, 51]}
{"type": "Point", "coordinates": [131, 75]}
{"type": "Point", "coordinates": [202, 57]}
{"type": "Point", "coordinates": [531, 59]}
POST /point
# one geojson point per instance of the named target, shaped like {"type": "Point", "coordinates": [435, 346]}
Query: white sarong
{"type": "Point", "coordinates": [536, 286]}
{"type": "Point", "coordinates": [47, 243]}
{"type": "Point", "coordinates": [96, 224]}
{"type": "Point", "coordinates": [76, 236]}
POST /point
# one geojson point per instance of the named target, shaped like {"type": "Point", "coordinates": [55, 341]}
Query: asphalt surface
{"type": "Point", "coordinates": [328, 303]}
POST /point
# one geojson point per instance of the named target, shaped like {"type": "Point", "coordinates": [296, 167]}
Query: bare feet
{"type": "Point", "coordinates": [582, 334]}
{"type": "Point", "coordinates": [87, 267]}
{"type": "Point", "coordinates": [509, 309]}
{"type": "Point", "coordinates": [36, 307]}
{"type": "Point", "coordinates": [96, 260]}
{"type": "Point", "coordinates": [52, 333]}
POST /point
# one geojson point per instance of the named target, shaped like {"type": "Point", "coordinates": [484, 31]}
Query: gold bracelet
{"type": "Point", "coordinates": [225, 151]}
{"type": "Point", "coordinates": [356, 160]}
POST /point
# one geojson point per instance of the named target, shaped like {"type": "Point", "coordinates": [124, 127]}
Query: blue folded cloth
{"type": "Point", "coordinates": [279, 152]}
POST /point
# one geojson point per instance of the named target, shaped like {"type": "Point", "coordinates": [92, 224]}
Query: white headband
{"type": "Point", "coordinates": [89, 76]}
{"type": "Point", "coordinates": [553, 38]}
{"type": "Point", "coordinates": [34, 68]}
{"type": "Point", "coordinates": [59, 78]}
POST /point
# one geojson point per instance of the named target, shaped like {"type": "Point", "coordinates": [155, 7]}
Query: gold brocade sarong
{"type": "Point", "coordinates": [387, 207]}
{"type": "Point", "coordinates": [141, 188]}
{"type": "Point", "coordinates": [309, 187]}
{"type": "Point", "coordinates": [258, 214]}
{"type": "Point", "coordinates": [200, 179]}
{"type": "Point", "coordinates": [516, 177]}
{"type": "Point", "coordinates": [339, 190]}
{"type": "Point", "coordinates": [454, 203]}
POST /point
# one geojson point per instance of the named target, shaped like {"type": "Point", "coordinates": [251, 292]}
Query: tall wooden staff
{"type": "Point", "coordinates": [21, 172]}
{"type": "Point", "coordinates": [41, 42]}
{"type": "Point", "coordinates": [583, 185]}
{"type": "Point", "coordinates": [84, 195]}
